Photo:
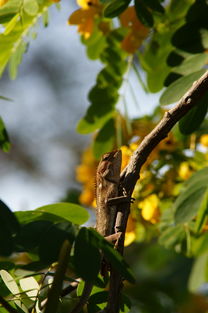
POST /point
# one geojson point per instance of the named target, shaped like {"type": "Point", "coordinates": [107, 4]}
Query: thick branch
{"type": "Point", "coordinates": [131, 173]}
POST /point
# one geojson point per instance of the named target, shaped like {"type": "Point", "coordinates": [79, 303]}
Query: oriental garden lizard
{"type": "Point", "coordinates": [107, 188]}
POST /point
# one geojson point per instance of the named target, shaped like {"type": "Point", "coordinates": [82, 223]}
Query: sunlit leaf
{"type": "Point", "coordinates": [190, 199]}
{"type": "Point", "coordinates": [100, 111]}
{"type": "Point", "coordinates": [177, 89]}
{"type": "Point", "coordinates": [95, 44]}
{"type": "Point", "coordinates": [30, 7]}
{"type": "Point", "coordinates": [11, 24]}
{"type": "Point", "coordinates": [16, 59]}
{"type": "Point", "coordinates": [69, 211]}
{"type": "Point", "coordinates": [199, 273]}
{"type": "Point", "coordinates": [105, 139]}
{"type": "Point", "coordinates": [171, 236]}
{"type": "Point", "coordinates": [11, 42]}
{"type": "Point", "coordinates": [191, 64]}
{"type": "Point", "coordinates": [30, 286]}
{"type": "Point", "coordinates": [202, 213]}
{"type": "Point", "coordinates": [10, 282]}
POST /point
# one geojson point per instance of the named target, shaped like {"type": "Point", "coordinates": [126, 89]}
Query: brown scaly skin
{"type": "Point", "coordinates": [107, 183]}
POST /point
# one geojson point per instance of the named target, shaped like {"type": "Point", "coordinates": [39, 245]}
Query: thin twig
{"type": "Point", "coordinates": [7, 306]}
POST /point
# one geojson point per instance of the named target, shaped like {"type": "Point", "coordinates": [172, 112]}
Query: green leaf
{"type": "Point", "coordinates": [30, 286]}
{"type": "Point", "coordinates": [32, 233]}
{"type": "Point", "coordinates": [153, 60]}
{"type": "Point", "coordinates": [193, 119]}
{"type": "Point", "coordinates": [13, 288]}
{"type": "Point", "coordinates": [9, 282]}
{"type": "Point", "coordinates": [177, 89]}
{"type": "Point", "coordinates": [109, 75]}
{"type": "Point", "coordinates": [52, 241]}
{"type": "Point", "coordinates": [69, 211]}
{"type": "Point", "coordinates": [9, 9]}
{"type": "Point", "coordinates": [5, 98]}
{"type": "Point", "coordinates": [95, 44]}
{"type": "Point", "coordinates": [105, 139]}
{"type": "Point", "coordinates": [11, 24]}
{"type": "Point", "coordinates": [190, 199]}
{"type": "Point", "coordinates": [6, 241]}
{"type": "Point", "coordinates": [196, 20]}
{"type": "Point", "coordinates": [154, 5]}
{"type": "Point", "coordinates": [199, 244]}
{"type": "Point", "coordinates": [172, 236]}
{"type": "Point", "coordinates": [143, 14]}
{"type": "Point", "coordinates": [30, 7]}
{"type": "Point", "coordinates": [202, 213]}
{"type": "Point", "coordinates": [125, 304]}
{"type": "Point", "coordinates": [199, 274]}
{"type": "Point", "coordinates": [11, 42]}
{"type": "Point", "coordinates": [45, 18]}
{"type": "Point", "coordinates": [5, 144]}
{"type": "Point", "coordinates": [191, 64]}
{"type": "Point", "coordinates": [97, 301]}
{"type": "Point", "coordinates": [16, 59]}
{"type": "Point", "coordinates": [100, 111]}
{"type": "Point", "coordinates": [8, 218]}
{"type": "Point", "coordinates": [87, 257]}
{"type": "Point", "coordinates": [117, 261]}
{"type": "Point", "coordinates": [115, 8]}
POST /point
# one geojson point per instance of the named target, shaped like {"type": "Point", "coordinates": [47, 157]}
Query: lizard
{"type": "Point", "coordinates": [107, 187]}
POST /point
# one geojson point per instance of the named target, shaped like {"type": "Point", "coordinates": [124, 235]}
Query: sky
{"type": "Point", "coordinates": [49, 97]}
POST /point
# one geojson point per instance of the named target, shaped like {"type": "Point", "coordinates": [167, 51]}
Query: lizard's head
{"type": "Point", "coordinates": [112, 156]}
{"type": "Point", "coordinates": [110, 165]}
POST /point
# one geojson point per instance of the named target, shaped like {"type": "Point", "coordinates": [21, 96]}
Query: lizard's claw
{"type": "Point", "coordinates": [132, 200]}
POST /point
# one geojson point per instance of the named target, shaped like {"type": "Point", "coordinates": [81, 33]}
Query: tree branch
{"type": "Point", "coordinates": [131, 173]}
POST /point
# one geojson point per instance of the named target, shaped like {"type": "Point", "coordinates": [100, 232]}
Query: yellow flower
{"type": "Point", "coordinates": [85, 4]}
{"type": "Point", "coordinates": [137, 31]}
{"type": "Point", "coordinates": [129, 238]}
{"type": "Point", "coordinates": [150, 210]}
{"type": "Point", "coordinates": [204, 140]}
{"type": "Point", "coordinates": [84, 18]}
{"type": "Point", "coordinates": [126, 153]}
{"type": "Point", "coordinates": [168, 144]}
{"type": "Point", "coordinates": [130, 235]}
{"type": "Point", "coordinates": [2, 2]}
{"type": "Point", "coordinates": [184, 171]}
{"type": "Point", "coordinates": [133, 146]}
{"type": "Point", "coordinates": [87, 196]}
{"type": "Point", "coordinates": [84, 173]}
